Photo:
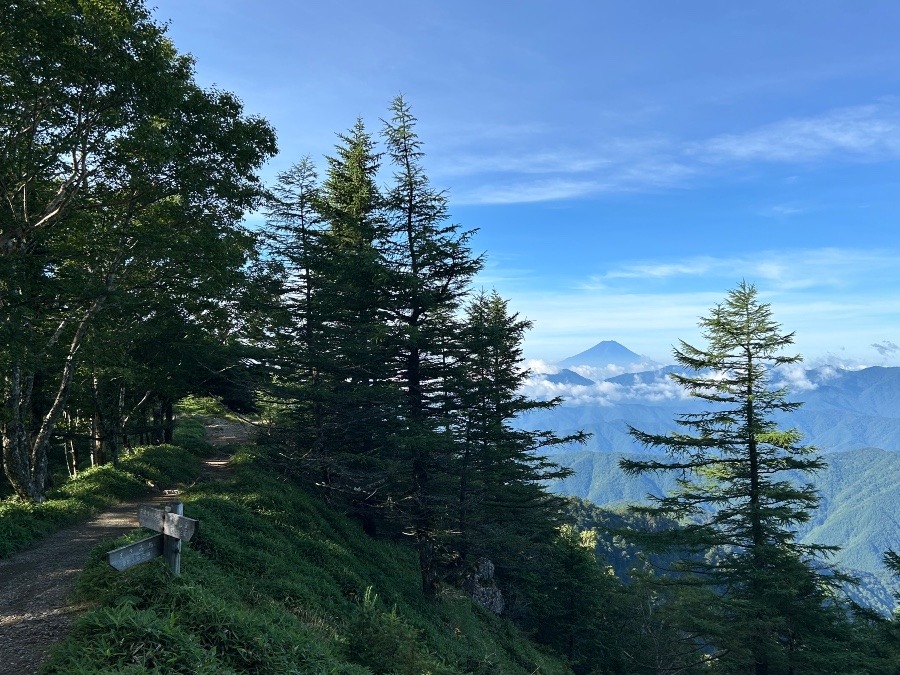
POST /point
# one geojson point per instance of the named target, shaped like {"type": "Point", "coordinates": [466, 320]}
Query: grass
{"type": "Point", "coordinates": [190, 434]}
{"type": "Point", "coordinates": [277, 582]}
{"type": "Point", "coordinates": [23, 523]}
{"type": "Point", "coordinates": [208, 406]}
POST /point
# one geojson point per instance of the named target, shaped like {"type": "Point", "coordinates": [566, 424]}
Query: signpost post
{"type": "Point", "coordinates": [173, 528]}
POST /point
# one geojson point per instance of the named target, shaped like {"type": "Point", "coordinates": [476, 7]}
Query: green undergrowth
{"type": "Point", "coordinates": [190, 434]}
{"type": "Point", "coordinates": [275, 581]}
{"type": "Point", "coordinates": [23, 523]}
{"type": "Point", "coordinates": [207, 406]}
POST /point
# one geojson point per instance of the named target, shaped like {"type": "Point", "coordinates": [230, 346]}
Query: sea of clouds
{"type": "Point", "coordinates": [653, 387]}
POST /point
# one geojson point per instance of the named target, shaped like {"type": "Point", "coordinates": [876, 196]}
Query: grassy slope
{"type": "Point", "coordinates": [276, 582]}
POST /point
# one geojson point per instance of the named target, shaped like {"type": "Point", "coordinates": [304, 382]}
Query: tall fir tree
{"type": "Point", "coordinates": [296, 333]}
{"type": "Point", "coordinates": [737, 507]}
{"type": "Point", "coordinates": [504, 510]}
{"type": "Point", "coordinates": [431, 267]}
{"type": "Point", "coordinates": [355, 355]}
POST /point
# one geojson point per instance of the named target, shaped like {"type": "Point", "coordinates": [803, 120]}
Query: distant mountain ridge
{"type": "Point", "coordinates": [851, 416]}
{"type": "Point", "coordinates": [566, 376]}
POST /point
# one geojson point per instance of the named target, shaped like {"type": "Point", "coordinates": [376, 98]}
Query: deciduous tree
{"type": "Point", "coordinates": [109, 154]}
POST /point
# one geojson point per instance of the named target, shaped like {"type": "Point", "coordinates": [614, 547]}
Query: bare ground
{"type": "Point", "coordinates": [35, 584]}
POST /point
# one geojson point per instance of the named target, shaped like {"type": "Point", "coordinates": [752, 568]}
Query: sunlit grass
{"type": "Point", "coordinates": [23, 523]}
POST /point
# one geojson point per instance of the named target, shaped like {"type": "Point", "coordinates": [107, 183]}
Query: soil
{"type": "Point", "coordinates": [35, 585]}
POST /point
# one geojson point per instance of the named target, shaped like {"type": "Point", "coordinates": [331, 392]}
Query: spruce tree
{"type": "Point", "coordinates": [737, 508]}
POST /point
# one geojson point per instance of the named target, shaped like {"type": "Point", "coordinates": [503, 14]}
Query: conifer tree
{"type": "Point", "coordinates": [297, 333]}
{"type": "Point", "coordinates": [355, 355]}
{"type": "Point", "coordinates": [431, 266]}
{"type": "Point", "coordinates": [504, 508]}
{"type": "Point", "coordinates": [737, 508]}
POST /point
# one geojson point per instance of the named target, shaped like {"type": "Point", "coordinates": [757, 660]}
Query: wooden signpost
{"type": "Point", "coordinates": [173, 529]}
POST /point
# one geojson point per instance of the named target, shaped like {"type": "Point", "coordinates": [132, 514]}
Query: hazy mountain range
{"type": "Point", "coordinates": [852, 416]}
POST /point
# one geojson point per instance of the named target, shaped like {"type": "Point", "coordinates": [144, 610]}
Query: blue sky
{"type": "Point", "coordinates": [626, 163]}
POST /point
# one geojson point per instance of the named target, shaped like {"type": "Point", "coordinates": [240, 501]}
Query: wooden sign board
{"type": "Point", "coordinates": [139, 552]}
{"type": "Point", "coordinates": [170, 524]}
{"type": "Point", "coordinates": [173, 528]}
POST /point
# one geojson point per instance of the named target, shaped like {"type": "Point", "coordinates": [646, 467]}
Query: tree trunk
{"type": "Point", "coordinates": [168, 421]}
{"type": "Point", "coordinates": [96, 440]}
{"type": "Point", "coordinates": [25, 470]}
{"type": "Point", "coordinates": [71, 449]}
{"type": "Point", "coordinates": [26, 456]}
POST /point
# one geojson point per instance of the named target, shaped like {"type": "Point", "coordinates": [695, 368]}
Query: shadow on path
{"type": "Point", "coordinates": [35, 584]}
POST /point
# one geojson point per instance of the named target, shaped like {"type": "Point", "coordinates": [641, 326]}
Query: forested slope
{"type": "Point", "coordinates": [278, 582]}
{"type": "Point", "coordinates": [858, 490]}
{"type": "Point", "coordinates": [390, 386]}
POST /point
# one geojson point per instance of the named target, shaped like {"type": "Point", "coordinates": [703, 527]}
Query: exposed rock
{"type": "Point", "coordinates": [481, 586]}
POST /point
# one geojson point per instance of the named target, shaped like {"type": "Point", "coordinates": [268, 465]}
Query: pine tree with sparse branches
{"type": "Point", "coordinates": [736, 504]}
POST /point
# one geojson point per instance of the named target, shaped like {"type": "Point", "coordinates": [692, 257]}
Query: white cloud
{"type": "Point", "coordinates": [863, 132]}
{"type": "Point", "coordinates": [796, 377]}
{"type": "Point", "coordinates": [663, 389]}
{"type": "Point", "coordinates": [603, 393]}
{"type": "Point", "coordinates": [597, 374]}
{"type": "Point", "coordinates": [507, 170]}
{"type": "Point", "coordinates": [540, 367]}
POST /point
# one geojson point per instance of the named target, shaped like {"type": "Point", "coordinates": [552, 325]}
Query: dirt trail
{"type": "Point", "coordinates": [35, 584]}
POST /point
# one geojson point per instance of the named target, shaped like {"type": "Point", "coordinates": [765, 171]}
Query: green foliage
{"type": "Point", "coordinates": [385, 643]}
{"type": "Point", "coordinates": [504, 508]}
{"type": "Point", "coordinates": [736, 508]}
{"type": "Point", "coordinates": [121, 252]}
{"type": "Point", "coordinates": [194, 405]}
{"type": "Point", "coordinates": [277, 582]}
{"type": "Point", "coordinates": [190, 434]}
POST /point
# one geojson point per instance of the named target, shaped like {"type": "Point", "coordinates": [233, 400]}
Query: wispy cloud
{"type": "Point", "coordinates": [614, 178]}
{"type": "Point", "coordinates": [525, 192]}
{"type": "Point", "coordinates": [559, 161]}
{"type": "Point", "coordinates": [869, 132]}
{"type": "Point", "coordinates": [785, 270]}
{"type": "Point", "coordinates": [507, 168]}
{"type": "Point", "coordinates": [781, 211]}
